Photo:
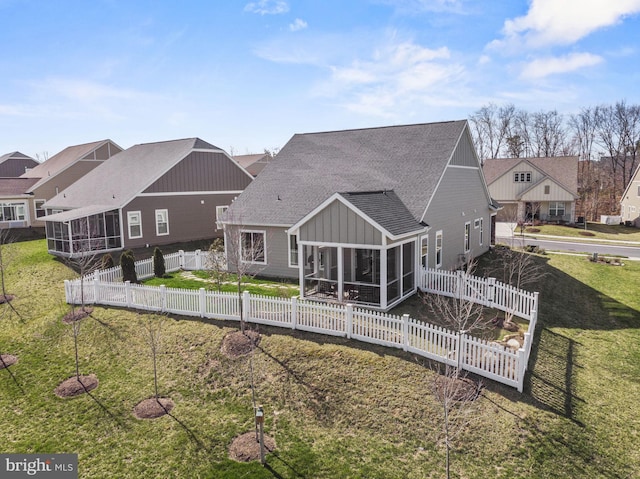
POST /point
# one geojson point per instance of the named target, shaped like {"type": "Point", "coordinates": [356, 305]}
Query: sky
{"type": "Point", "coordinates": [246, 75]}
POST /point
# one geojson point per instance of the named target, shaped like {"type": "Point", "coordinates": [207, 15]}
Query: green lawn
{"type": "Point", "coordinates": [336, 408]}
{"type": "Point", "coordinates": [593, 231]}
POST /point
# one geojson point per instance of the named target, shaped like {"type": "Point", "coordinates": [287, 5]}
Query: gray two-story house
{"type": "Point", "coordinates": [355, 215]}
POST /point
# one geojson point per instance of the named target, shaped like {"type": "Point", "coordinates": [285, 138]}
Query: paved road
{"type": "Point", "coordinates": [575, 247]}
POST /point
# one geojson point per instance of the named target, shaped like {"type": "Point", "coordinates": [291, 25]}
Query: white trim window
{"type": "Point", "coordinates": [438, 249]}
{"type": "Point", "coordinates": [424, 251]}
{"type": "Point", "coordinates": [522, 177]}
{"type": "Point", "coordinates": [467, 236]}
{"type": "Point", "coordinates": [40, 211]}
{"type": "Point", "coordinates": [220, 211]}
{"type": "Point", "coordinates": [253, 247]}
{"type": "Point", "coordinates": [481, 232]}
{"type": "Point", "coordinates": [293, 251]}
{"type": "Point", "coordinates": [556, 208]}
{"type": "Point", "coordinates": [162, 222]}
{"type": "Point", "coordinates": [134, 224]}
{"type": "Point", "coordinates": [12, 212]}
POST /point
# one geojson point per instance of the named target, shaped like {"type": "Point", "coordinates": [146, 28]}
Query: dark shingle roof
{"type": "Point", "coordinates": [407, 159]}
{"type": "Point", "coordinates": [386, 209]}
{"type": "Point", "coordinates": [16, 186]}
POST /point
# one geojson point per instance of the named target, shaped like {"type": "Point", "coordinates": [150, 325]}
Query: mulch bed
{"type": "Point", "coordinates": [8, 360]}
{"type": "Point", "coordinates": [5, 298]}
{"type": "Point", "coordinates": [153, 408]}
{"type": "Point", "coordinates": [77, 315]}
{"type": "Point", "coordinates": [245, 448]}
{"type": "Point", "coordinates": [238, 344]}
{"type": "Point", "coordinates": [76, 386]}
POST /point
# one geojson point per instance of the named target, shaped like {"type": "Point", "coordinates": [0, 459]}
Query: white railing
{"type": "Point", "coordinates": [486, 291]}
{"type": "Point", "coordinates": [475, 355]}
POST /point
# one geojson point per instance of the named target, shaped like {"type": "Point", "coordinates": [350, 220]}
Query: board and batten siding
{"type": "Point", "coordinates": [460, 198]}
{"type": "Point", "coordinates": [464, 154]}
{"type": "Point", "coordinates": [336, 223]}
{"type": "Point", "coordinates": [504, 188]}
{"type": "Point", "coordinates": [202, 171]}
{"type": "Point", "coordinates": [556, 193]}
{"type": "Point", "coordinates": [191, 217]}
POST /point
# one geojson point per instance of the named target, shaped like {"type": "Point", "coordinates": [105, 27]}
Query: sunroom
{"type": "Point", "coordinates": [82, 231]}
{"type": "Point", "coordinates": [359, 248]}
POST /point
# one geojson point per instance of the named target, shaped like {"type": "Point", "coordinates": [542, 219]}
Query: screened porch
{"type": "Point", "coordinates": [71, 235]}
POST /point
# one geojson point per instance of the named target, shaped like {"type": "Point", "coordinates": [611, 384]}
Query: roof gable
{"type": "Point", "coordinates": [561, 169]}
{"type": "Point", "coordinates": [116, 182]}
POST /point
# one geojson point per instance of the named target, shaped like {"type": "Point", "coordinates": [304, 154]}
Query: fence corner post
{"type": "Point", "coordinates": [349, 310]}
{"type": "Point", "coordinates": [127, 293]}
{"type": "Point", "coordinates": [66, 291]}
{"type": "Point", "coordinates": [405, 332]}
{"type": "Point", "coordinates": [181, 258]}
{"type": "Point", "coordinates": [522, 368]}
{"type": "Point", "coordinates": [246, 305]}
{"type": "Point", "coordinates": [96, 289]}
{"type": "Point", "coordinates": [294, 312]}
{"type": "Point", "coordinates": [203, 301]}
{"type": "Point", "coordinates": [491, 293]}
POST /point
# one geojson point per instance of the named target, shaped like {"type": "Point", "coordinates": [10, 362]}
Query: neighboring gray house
{"type": "Point", "coordinates": [150, 194]}
{"type": "Point", "coordinates": [354, 215]}
{"type": "Point", "coordinates": [528, 189]}
{"type": "Point", "coordinates": [254, 163]}
{"type": "Point", "coordinates": [15, 164]}
{"type": "Point", "coordinates": [630, 201]}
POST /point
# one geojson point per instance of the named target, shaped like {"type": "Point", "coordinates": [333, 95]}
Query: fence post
{"type": "Point", "coordinates": [294, 312]}
{"type": "Point", "coordinates": [246, 304]}
{"type": "Point", "coordinates": [491, 291]}
{"type": "Point", "coordinates": [405, 332]}
{"type": "Point", "coordinates": [349, 311]}
{"type": "Point", "coordinates": [203, 302]}
{"type": "Point", "coordinates": [127, 293]}
{"type": "Point", "coordinates": [534, 312]}
{"type": "Point", "coordinates": [460, 347]}
{"type": "Point", "coordinates": [95, 290]}
{"type": "Point", "coordinates": [459, 285]}
{"type": "Point", "coordinates": [181, 258]}
{"type": "Point", "coordinates": [163, 298]}
{"type": "Point", "coordinates": [198, 260]}
{"type": "Point", "coordinates": [66, 291]}
{"type": "Point", "coordinates": [522, 368]}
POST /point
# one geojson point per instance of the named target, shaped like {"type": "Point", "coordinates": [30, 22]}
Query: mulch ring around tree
{"type": "Point", "coordinates": [75, 386]}
{"type": "Point", "coordinates": [238, 344]}
{"type": "Point", "coordinates": [7, 360]}
{"type": "Point", "coordinates": [245, 448]}
{"type": "Point", "coordinates": [153, 408]}
{"type": "Point", "coordinates": [77, 315]}
{"type": "Point", "coordinates": [457, 389]}
{"type": "Point", "coordinates": [5, 298]}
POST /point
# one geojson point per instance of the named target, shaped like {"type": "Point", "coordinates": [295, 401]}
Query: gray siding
{"type": "Point", "coordinates": [14, 167]}
{"type": "Point", "coordinates": [189, 218]}
{"type": "Point", "coordinates": [460, 198]}
{"type": "Point", "coordinates": [464, 154]}
{"type": "Point", "coordinates": [202, 171]}
{"type": "Point", "coordinates": [338, 224]}
{"type": "Point", "coordinates": [277, 249]}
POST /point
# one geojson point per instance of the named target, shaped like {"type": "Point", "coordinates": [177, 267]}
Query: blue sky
{"type": "Point", "coordinates": [247, 75]}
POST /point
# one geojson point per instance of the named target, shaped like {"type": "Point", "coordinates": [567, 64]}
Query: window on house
{"type": "Point", "coordinates": [638, 190]}
{"type": "Point", "coordinates": [252, 247]}
{"type": "Point", "coordinates": [293, 250]}
{"type": "Point", "coordinates": [481, 240]}
{"type": "Point", "coordinates": [162, 222]}
{"type": "Point", "coordinates": [476, 223]}
{"type": "Point", "coordinates": [134, 220]}
{"type": "Point", "coordinates": [556, 208]}
{"type": "Point", "coordinates": [424, 251]}
{"type": "Point", "coordinates": [522, 177]}
{"type": "Point", "coordinates": [547, 189]}
{"type": "Point", "coordinates": [40, 211]}
{"type": "Point", "coordinates": [467, 236]}
{"type": "Point", "coordinates": [220, 211]}
{"type": "Point", "coordinates": [438, 249]}
{"type": "Point", "coordinates": [12, 212]}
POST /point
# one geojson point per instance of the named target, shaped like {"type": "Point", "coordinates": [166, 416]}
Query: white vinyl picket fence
{"type": "Point", "coordinates": [478, 356]}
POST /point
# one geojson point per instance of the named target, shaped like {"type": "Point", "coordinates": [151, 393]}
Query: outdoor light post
{"type": "Point", "coordinates": [260, 427]}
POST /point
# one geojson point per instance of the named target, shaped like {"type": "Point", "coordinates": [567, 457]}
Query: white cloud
{"type": "Point", "coordinates": [555, 22]}
{"type": "Point", "coordinates": [543, 67]}
{"type": "Point", "coordinates": [397, 75]}
{"type": "Point", "coordinates": [298, 24]}
{"type": "Point", "coordinates": [267, 7]}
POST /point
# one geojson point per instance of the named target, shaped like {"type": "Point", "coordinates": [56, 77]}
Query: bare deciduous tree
{"type": "Point", "coordinates": [216, 263]}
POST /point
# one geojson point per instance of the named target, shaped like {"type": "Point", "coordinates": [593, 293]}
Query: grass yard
{"type": "Point", "coordinates": [593, 231]}
{"type": "Point", "coordinates": [336, 408]}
